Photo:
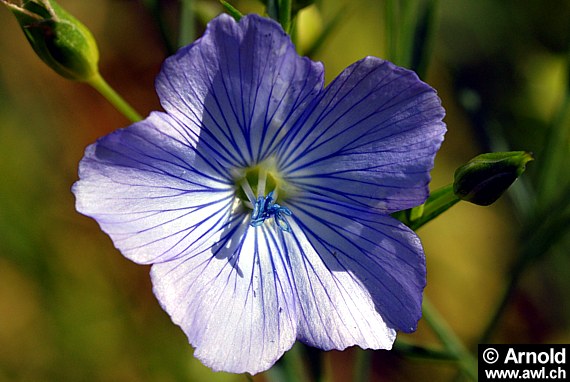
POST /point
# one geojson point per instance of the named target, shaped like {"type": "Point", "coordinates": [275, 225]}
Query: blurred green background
{"type": "Point", "coordinates": [73, 309]}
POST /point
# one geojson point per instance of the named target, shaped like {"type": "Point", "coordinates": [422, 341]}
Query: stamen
{"type": "Point", "coordinates": [265, 208]}
{"type": "Point", "coordinates": [280, 219]}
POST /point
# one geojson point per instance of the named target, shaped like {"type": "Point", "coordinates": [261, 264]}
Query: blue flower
{"type": "Point", "coordinates": [262, 198]}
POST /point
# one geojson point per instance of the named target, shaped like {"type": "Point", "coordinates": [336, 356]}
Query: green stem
{"type": "Point", "coordinates": [407, 31]}
{"type": "Point", "coordinates": [114, 98]}
{"type": "Point", "coordinates": [424, 39]}
{"type": "Point", "coordinates": [438, 202]}
{"type": "Point", "coordinates": [450, 341]}
{"type": "Point", "coordinates": [292, 366]}
{"type": "Point", "coordinates": [362, 365]}
{"type": "Point", "coordinates": [231, 10]}
{"type": "Point", "coordinates": [186, 33]}
{"type": "Point", "coordinates": [285, 8]}
{"type": "Point", "coordinates": [554, 171]}
{"type": "Point", "coordinates": [401, 24]}
{"type": "Point", "coordinates": [390, 31]}
{"type": "Point", "coordinates": [155, 10]}
{"type": "Point", "coordinates": [272, 9]}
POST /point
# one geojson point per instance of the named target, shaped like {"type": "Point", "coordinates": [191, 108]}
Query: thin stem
{"type": "Point", "coordinates": [237, 15]}
{"type": "Point", "coordinates": [450, 341]}
{"type": "Point", "coordinates": [155, 10]}
{"type": "Point", "coordinates": [553, 170]}
{"type": "Point", "coordinates": [285, 8]}
{"type": "Point", "coordinates": [407, 31]}
{"type": "Point", "coordinates": [186, 32]}
{"type": "Point", "coordinates": [424, 39]}
{"type": "Point", "coordinates": [391, 32]}
{"type": "Point", "coordinates": [272, 9]}
{"type": "Point", "coordinates": [362, 366]}
{"type": "Point", "coordinates": [438, 202]}
{"type": "Point", "coordinates": [295, 368]}
{"type": "Point", "coordinates": [99, 84]}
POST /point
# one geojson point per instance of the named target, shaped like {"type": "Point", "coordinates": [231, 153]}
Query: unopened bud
{"type": "Point", "coordinates": [486, 177]}
{"type": "Point", "coordinates": [58, 38]}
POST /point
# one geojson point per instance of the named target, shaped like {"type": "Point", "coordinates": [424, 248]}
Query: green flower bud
{"type": "Point", "coordinates": [58, 38]}
{"type": "Point", "coordinates": [484, 178]}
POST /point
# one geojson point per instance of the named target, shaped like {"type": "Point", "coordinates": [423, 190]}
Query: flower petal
{"type": "Point", "coordinates": [152, 191]}
{"type": "Point", "coordinates": [371, 140]}
{"type": "Point", "coordinates": [241, 85]}
{"type": "Point", "coordinates": [359, 275]}
{"type": "Point", "coordinates": [234, 301]}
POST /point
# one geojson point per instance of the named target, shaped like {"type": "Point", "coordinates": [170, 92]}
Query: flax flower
{"type": "Point", "coordinates": [262, 198]}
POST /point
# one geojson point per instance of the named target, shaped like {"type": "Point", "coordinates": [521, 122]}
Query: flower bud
{"type": "Point", "coordinates": [59, 39]}
{"type": "Point", "coordinates": [484, 178]}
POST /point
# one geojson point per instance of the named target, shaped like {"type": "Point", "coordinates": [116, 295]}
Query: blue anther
{"type": "Point", "coordinates": [265, 208]}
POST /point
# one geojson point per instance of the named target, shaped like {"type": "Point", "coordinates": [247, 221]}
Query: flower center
{"type": "Point", "coordinates": [269, 187]}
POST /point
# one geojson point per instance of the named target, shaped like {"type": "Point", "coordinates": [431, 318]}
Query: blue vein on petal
{"type": "Point", "coordinates": [230, 139]}
{"type": "Point", "coordinates": [197, 121]}
{"type": "Point", "coordinates": [225, 131]}
{"type": "Point", "coordinates": [306, 264]}
{"type": "Point", "coordinates": [186, 165]}
{"type": "Point", "coordinates": [361, 137]}
{"type": "Point", "coordinates": [297, 101]}
{"type": "Point", "coordinates": [187, 230]}
{"type": "Point", "coordinates": [358, 217]}
{"type": "Point", "coordinates": [347, 92]}
{"type": "Point", "coordinates": [286, 156]}
{"type": "Point", "coordinates": [342, 233]}
{"type": "Point", "coordinates": [157, 170]}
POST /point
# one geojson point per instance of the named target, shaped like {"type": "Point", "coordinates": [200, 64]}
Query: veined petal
{"type": "Point", "coordinates": [234, 301]}
{"type": "Point", "coordinates": [370, 140]}
{"type": "Point", "coordinates": [152, 192]}
{"type": "Point", "coordinates": [242, 85]}
{"type": "Point", "coordinates": [359, 275]}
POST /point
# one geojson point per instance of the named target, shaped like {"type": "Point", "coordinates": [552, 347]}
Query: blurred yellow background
{"type": "Point", "coordinates": [73, 309]}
